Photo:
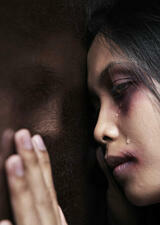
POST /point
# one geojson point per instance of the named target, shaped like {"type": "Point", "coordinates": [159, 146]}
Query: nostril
{"type": "Point", "coordinates": [106, 138]}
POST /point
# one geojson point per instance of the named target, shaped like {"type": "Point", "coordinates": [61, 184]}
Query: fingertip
{"type": "Point", "coordinates": [23, 139]}
{"type": "Point", "coordinates": [11, 160]}
{"type": "Point", "coordinates": [38, 143]}
{"type": "Point", "coordinates": [5, 222]}
{"type": "Point", "coordinates": [21, 132]}
{"type": "Point", "coordinates": [14, 166]}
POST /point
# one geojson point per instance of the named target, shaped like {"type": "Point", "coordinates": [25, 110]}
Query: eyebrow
{"type": "Point", "coordinates": [120, 67]}
{"type": "Point", "coordinates": [114, 67]}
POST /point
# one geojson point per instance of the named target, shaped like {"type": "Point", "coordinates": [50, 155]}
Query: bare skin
{"type": "Point", "coordinates": [128, 122]}
{"type": "Point", "coordinates": [122, 124]}
{"type": "Point", "coordinates": [30, 182]}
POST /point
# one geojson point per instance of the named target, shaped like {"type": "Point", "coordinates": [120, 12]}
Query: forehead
{"type": "Point", "coordinates": [101, 55]}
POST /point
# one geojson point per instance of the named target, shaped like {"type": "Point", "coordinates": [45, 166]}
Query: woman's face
{"type": "Point", "coordinates": [128, 124]}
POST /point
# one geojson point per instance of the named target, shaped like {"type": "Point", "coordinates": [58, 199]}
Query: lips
{"type": "Point", "coordinates": [115, 161]}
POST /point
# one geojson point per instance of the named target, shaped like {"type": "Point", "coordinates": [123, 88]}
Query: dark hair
{"type": "Point", "coordinates": [135, 29]}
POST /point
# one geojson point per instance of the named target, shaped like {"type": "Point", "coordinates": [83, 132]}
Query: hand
{"type": "Point", "coordinates": [30, 183]}
{"type": "Point", "coordinates": [120, 211]}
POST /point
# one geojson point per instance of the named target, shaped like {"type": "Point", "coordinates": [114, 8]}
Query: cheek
{"type": "Point", "coordinates": [139, 118]}
{"type": "Point", "coordinates": [126, 105]}
{"type": "Point", "coordinates": [142, 124]}
{"type": "Point", "coordinates": [137, 109]}
{"type": "Point", "coordinates": [132, 111]}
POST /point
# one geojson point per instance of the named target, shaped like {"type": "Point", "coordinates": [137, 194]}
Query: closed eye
{"type": "Point", "coordinates": [119, 90]}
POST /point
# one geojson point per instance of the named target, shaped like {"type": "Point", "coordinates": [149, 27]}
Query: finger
{"type": "Point", "coordinates": [21, 198]}
{"type": "Point", "coordinates": [5, 222]}
{"type": "Point", "coordinates": [35, 180]}
{"type": "Point", "coordinates": [44, 163]}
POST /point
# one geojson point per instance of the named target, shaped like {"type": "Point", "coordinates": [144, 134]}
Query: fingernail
{"type": "Point", "coordinates": [39, 143]}
{"type": "Point", "coordinates": [23, 139]}
{"type": "Point", "coordinates": [15, 166]}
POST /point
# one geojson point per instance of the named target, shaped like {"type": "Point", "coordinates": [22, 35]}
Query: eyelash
{"type": "Point", "coordinates": [118, 91]}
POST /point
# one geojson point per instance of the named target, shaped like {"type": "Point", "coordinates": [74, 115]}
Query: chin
{"type": "Point", "coordinates": [141, 198]}
{"type": "Point", "coordinates": [137, 200]}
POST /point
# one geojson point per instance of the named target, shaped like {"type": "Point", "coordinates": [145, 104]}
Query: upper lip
{"type": "Point", "coordinates": [114, 161]}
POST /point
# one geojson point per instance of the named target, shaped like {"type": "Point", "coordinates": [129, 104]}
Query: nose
{"type": "Point", "coordinates": [106, 129]}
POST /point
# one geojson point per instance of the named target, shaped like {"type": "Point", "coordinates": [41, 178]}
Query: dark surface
{"type": "Point", "coordinates": [43, 88]}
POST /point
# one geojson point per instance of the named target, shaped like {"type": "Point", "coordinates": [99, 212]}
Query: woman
{"type": "Point", "coordinates": [123, 79]}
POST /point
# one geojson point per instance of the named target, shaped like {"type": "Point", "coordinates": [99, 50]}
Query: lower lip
{"type": "Point", "coordinates": [123, 170]}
